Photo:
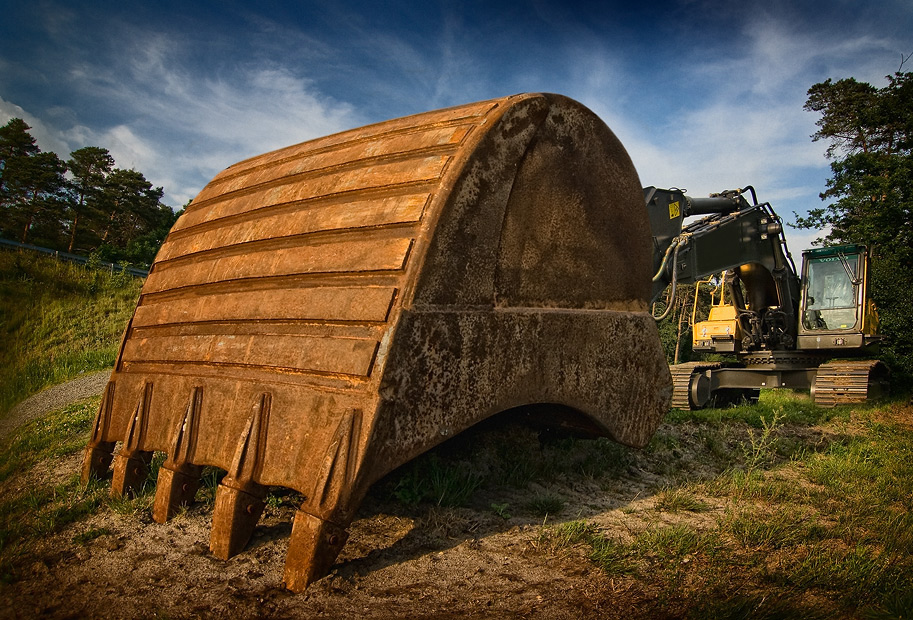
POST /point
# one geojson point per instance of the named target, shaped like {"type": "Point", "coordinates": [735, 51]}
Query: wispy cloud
{"type": "Point", "coordinates": [179, 124]}
{"type": "Point", "coordinates": [737, 118]}
{"type": "Point", "coordinates": [703, 93]}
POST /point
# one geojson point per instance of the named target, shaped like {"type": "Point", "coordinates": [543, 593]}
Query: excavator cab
{"type": "Point", "coordinates": [836, 310]}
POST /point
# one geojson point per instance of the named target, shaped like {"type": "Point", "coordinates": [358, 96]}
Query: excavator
{"type": "Point", "coordinates": [781, 328]}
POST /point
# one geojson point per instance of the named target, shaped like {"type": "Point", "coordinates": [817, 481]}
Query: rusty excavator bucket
{"type": "Point", "coordinates": [325, 313]}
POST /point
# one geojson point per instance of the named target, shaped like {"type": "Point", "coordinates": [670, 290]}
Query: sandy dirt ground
{"type": "Point", "coordinates": [400, 561]}
{"type": "Point", "coordinates": [434, 563]}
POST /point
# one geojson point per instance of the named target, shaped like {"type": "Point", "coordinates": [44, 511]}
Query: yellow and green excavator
{"type": "Point", "coordinates": [779, 327]}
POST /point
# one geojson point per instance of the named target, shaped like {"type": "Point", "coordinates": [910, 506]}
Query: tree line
{"type": "Point", "coordinates": [84, 205]}
{"type": "Point", "coordinates": [869, 132]}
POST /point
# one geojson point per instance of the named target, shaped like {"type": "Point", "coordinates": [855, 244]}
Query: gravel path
{"type": "Point", "coordinates": [53, 398]}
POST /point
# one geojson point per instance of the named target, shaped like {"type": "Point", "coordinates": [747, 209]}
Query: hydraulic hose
{"type": "Point", "coordinates": [673, 248]}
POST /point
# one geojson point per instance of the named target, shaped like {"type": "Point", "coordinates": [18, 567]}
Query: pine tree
{"type": "Point", "coordinates": [32, 184]}
{"type": "Point", "coordinates": [90, 167]}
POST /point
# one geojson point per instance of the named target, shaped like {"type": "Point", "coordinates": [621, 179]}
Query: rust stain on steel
{"type": "Point", "coordinates": [324, 313]}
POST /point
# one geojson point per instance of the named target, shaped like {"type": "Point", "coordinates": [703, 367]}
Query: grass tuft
{"type": "Point", "coordinates": [91, 534]}
{"type": "Point", "coordinates": [545, 504]}
{"type": "Point", "coordinates": [678, 499]}
{"type": "Point", "coordinates": [433, 479]}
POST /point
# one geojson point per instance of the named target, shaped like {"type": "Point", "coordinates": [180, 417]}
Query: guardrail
{"type": "Point", "coordinates": [73, 258]}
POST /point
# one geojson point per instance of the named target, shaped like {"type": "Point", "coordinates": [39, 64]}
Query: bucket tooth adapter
{"type": "Point", "coordinates": [322, 314]}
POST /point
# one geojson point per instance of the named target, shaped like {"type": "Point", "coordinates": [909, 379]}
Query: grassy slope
{"type": "Point", "coordinates": [57, 320]}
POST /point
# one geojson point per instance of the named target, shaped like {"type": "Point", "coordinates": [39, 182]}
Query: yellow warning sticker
{"type": "Point", "coordinates": [674, 210]}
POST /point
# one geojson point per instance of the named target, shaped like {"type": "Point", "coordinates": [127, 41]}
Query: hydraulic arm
{"type": "Point", "coordinates": [745, 240]}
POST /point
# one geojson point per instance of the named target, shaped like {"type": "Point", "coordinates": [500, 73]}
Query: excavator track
{"type": "Point", "coordinates": [846, 382]}
{"type": "Point", "coordinates": [681, 382]}
{"type": "Point", "coordinates": [783, 360]}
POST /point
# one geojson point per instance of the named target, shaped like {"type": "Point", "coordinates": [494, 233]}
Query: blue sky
{"type": "Point", "coordinates": [706, 95]}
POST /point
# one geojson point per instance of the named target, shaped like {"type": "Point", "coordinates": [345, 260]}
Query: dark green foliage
{"type": "Point", "coordinates": [89, 166]}
{"type": "Point", "coordinates": [110, 211]}
{"type": "Point", "coordinates": [16, 141]}
{"type": "Point", "coordinates": [32, 194]}
{"type": "Point", "coordinates": [675, 330]}
{"type": "Point", "coordinates": [847, 108]}
{"type": "Point", "coordinates": [870, 194]}
{"type": "Point", "coordinates": [132, 223]}
{"type": "Point", "coordinates": [32, 185]}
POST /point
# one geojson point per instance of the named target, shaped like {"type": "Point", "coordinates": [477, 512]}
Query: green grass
{"type": "Point", "coordinates": [438, 481]}
{"type": "Point", "coordinates": [787, 527]}
{"type": "Point", "coordinates": [545, 504]}
{"type": "Point", "coordinates": [789, 407]}
{"type": "Point", "coordinates": [60, 434]}
{"type": "Point", "coordinates": [41, 509]}
{"type": "Point", "coordinates": [678, 499]}
{"type": "Point", "coordinates": [824, 532]}
{"type": "Point", "coordinates": [57, 320]}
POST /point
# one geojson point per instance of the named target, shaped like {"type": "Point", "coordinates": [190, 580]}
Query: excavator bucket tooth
{"type": "Point", "coordinates": [313, 547]}
{"type": "Point", "coordinates": [322, 314]}
{"type": "Point", "coordinates": [179, 479]}
{"type": "Point", "coordinates": [174, 488]}
{"type": "Point", "coordinates": [100, 452]}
